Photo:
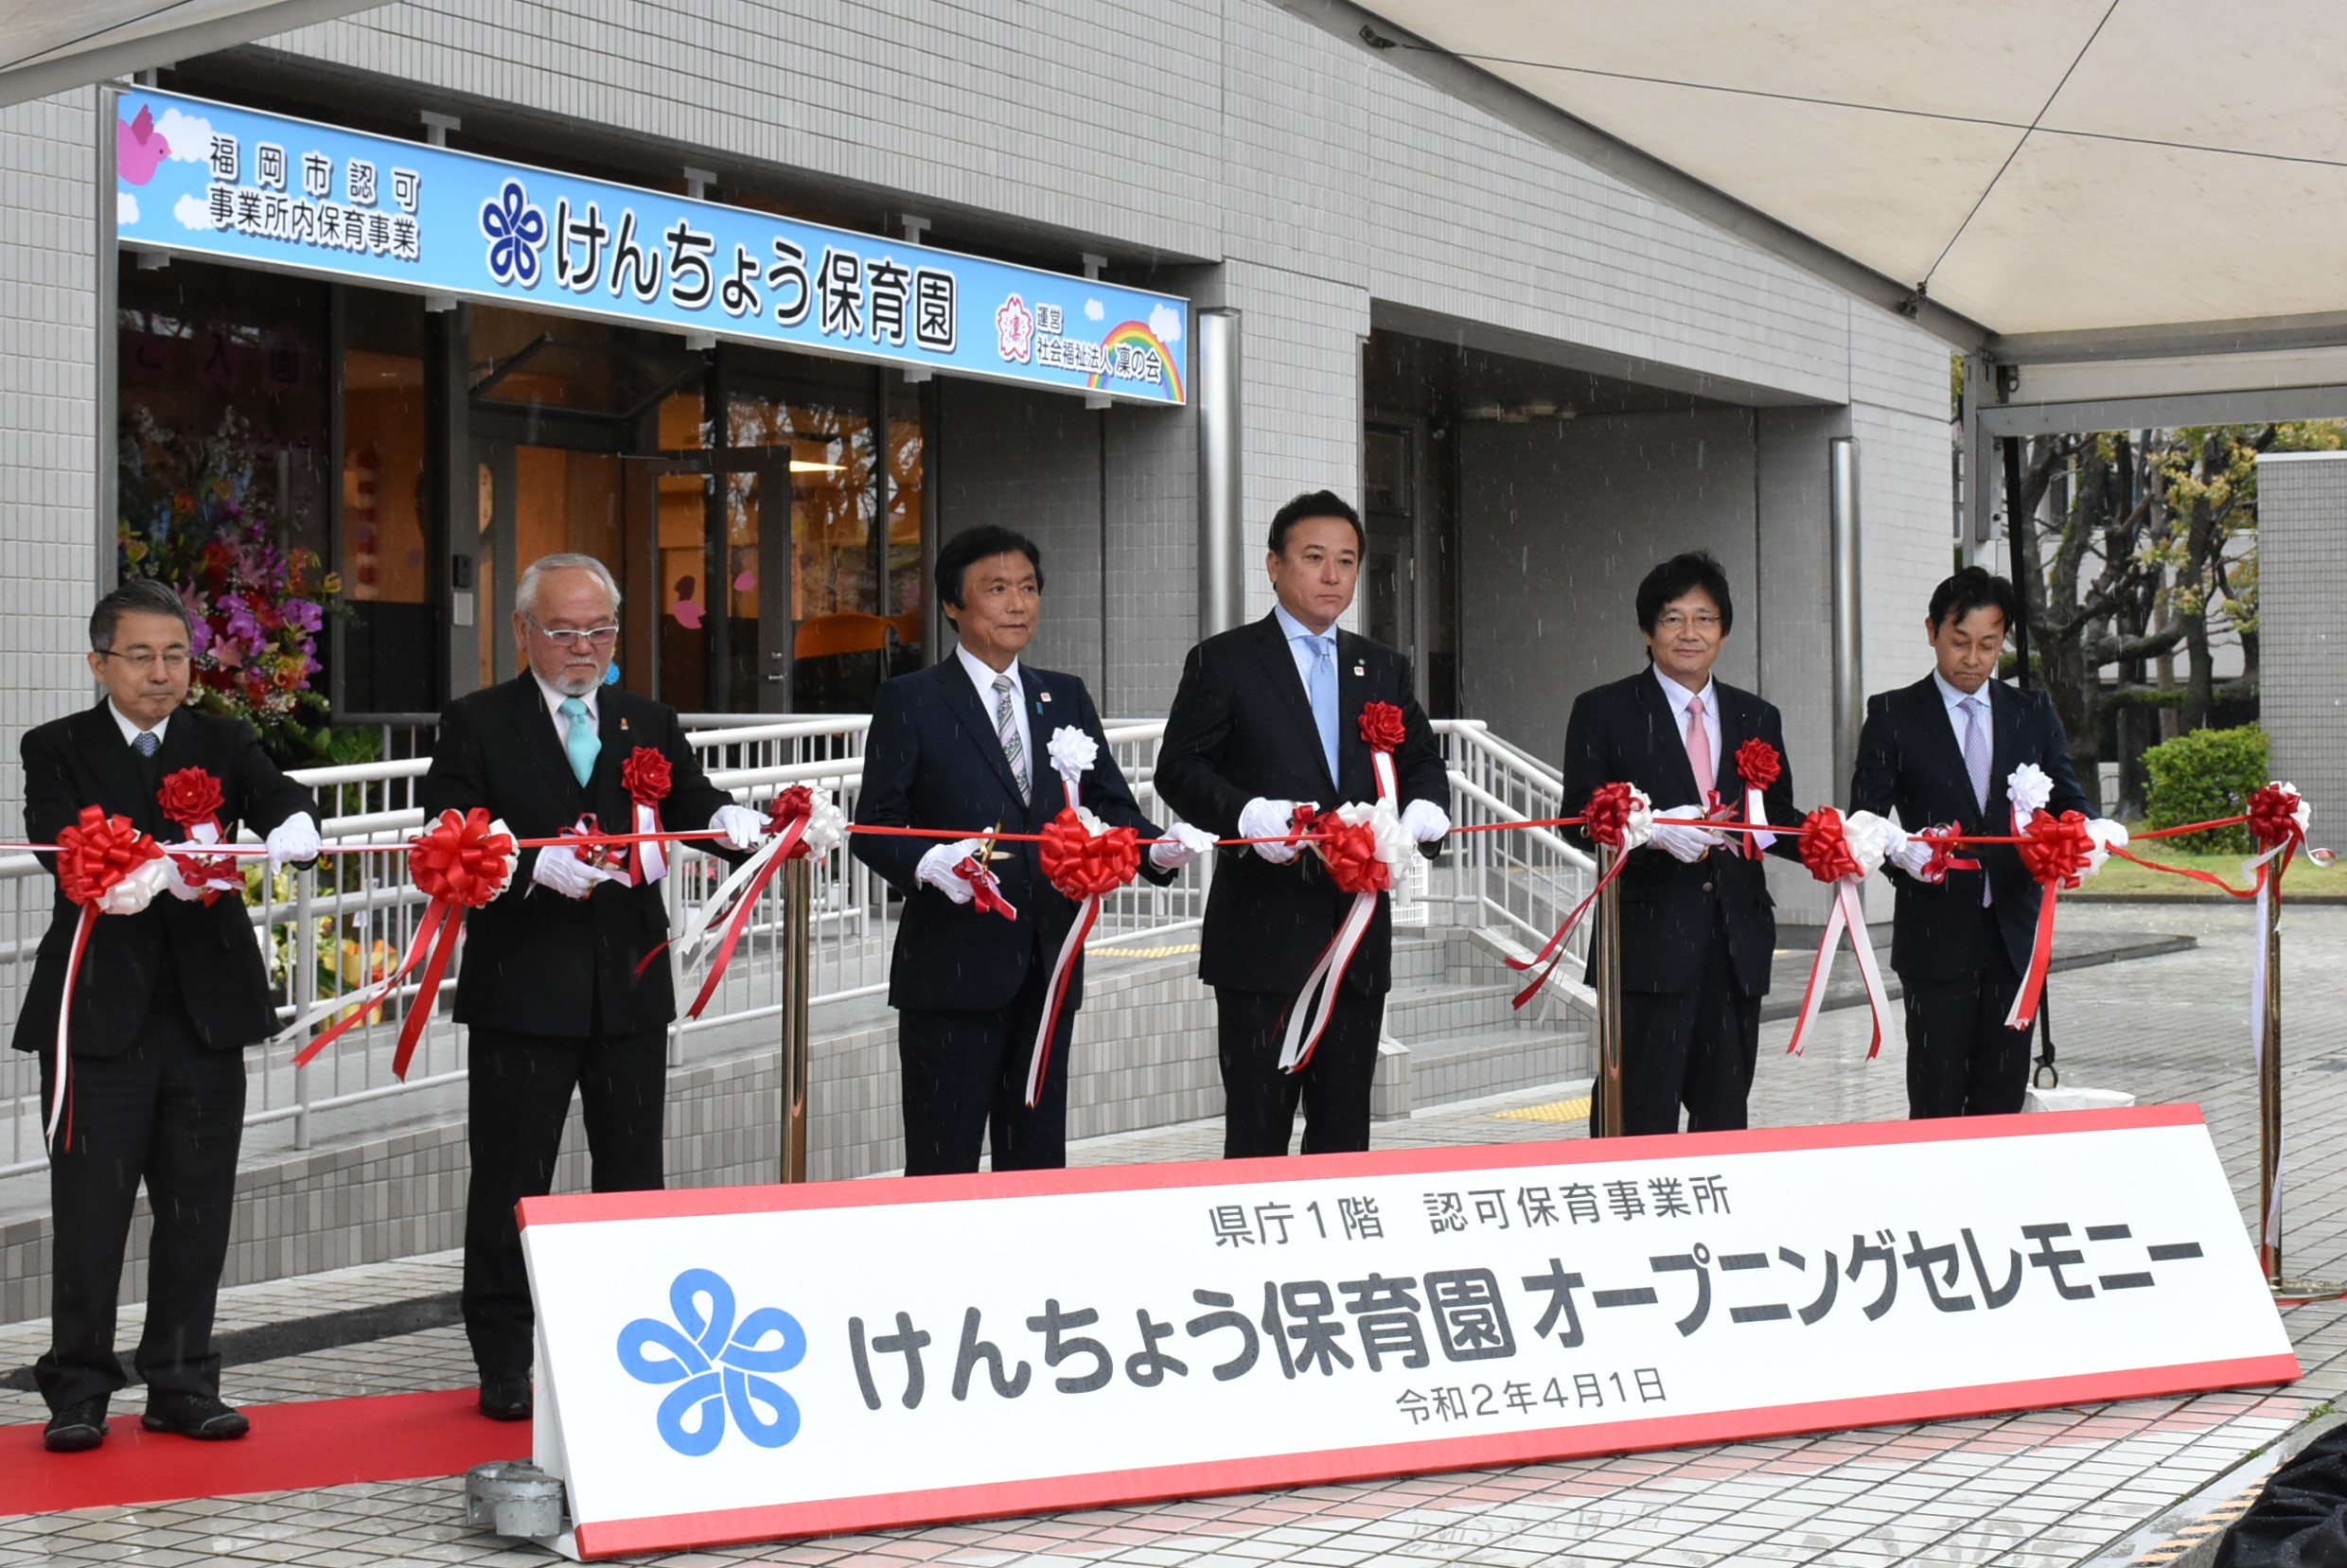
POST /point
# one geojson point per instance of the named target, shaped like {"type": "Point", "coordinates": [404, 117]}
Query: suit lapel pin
{"type": "Point", "coordinates": [1360, 669]}
{"type": "Point", "coordinates": [622, 724]}
{"type": "Point", "coordinates": [1043, 696]}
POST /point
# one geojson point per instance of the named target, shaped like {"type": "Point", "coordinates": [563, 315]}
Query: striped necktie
{"type": "Point", "coordinates": [1006, 729]}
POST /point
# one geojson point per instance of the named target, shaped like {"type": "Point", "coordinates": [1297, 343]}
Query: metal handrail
{"type": "Point", "coordinates": [319, 929]}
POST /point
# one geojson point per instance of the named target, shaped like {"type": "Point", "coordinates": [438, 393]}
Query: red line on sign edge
{"type": "Point", "coordinates": [693, 1203]}
{"type": "Point", "coordinates": [890, 1511]}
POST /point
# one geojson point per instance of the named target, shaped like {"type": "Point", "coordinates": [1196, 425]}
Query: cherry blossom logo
{"type": "Point", "coordinates": [1014, 329]}
{"type": "Point", "coordinates": [715, 1365]}
{"type": "Point", "coordinates": [516, 230]}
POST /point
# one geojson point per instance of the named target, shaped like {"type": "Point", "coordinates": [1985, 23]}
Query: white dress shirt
{"type": "Point", "coordinates": [556, 697]}
{"type": "Point", "coordinates": [1303, 645]}
{"type": "Point", "coordinates": [131, 732]}
{"type": "Point", "coordinates": [1955, 699]}
{"type": "Point", "coordinates": [1679, 700]}
{"type": "Point", "coordinates": [983, 677]}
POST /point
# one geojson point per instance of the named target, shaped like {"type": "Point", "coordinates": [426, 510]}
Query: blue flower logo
{"type": "Point", "coordinates": [715, 1364]}
{"type": "Point", "coordinates": [516, 230]}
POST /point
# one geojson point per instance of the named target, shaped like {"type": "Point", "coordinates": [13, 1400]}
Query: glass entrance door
{"type": "Point", "coordinates": [719, 533]}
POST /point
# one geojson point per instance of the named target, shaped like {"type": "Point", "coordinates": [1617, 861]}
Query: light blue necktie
{"type": "Point", "coordinates": [1322, 690]}
{"type": "Point", "coordinates": [579, 738]}
{"type": "Point", "coordinates": [1976, 762]}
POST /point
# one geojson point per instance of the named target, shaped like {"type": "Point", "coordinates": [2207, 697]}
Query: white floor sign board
{"type": "Point", "coordinates": [746, 1363]}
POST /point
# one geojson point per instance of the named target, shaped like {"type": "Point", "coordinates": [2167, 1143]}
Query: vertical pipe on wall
{"type": "Point", "coordinates": [106, 346]}
{"type": "Point", "coordinates": [1850, 689]}
{"type": "Point", "coordinates": [1222, 509]}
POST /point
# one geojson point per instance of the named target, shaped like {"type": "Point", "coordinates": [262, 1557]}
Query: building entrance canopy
{"type": "Point", "coordinates": [2036, 180]}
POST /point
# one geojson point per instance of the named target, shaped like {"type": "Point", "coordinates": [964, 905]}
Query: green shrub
{"type": "Point", "coordinates": [2206, 774]}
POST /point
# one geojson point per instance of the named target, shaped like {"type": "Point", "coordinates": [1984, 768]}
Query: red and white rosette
{"type": "Point", "coordinates": [1086, 860]}
{"type": "Point", "coordinates": [192, 798]}
{"type": "Point", "coordinates": [1760, 764]}
{"type": "Point", "coordinates": [646, 775]}
{"type": "Point", "coordinates": [460, 862]}
{"type": "Point", "coordinates": [1844, 851]}
{"type": "Point", "coordinates": [1361, 844]}
{"type": "Point", "coordinates": [2059, 851]}
{"type": "Point", "coordinates": [1620, 817]}
{"type": "Point", "coordinates": [106, 866]}
{"type": "Point", "coordinates": [801, 822]}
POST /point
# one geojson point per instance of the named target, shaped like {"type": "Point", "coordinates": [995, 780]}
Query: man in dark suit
{"type": "Point", "coordinates": [1268, 716]}
{"type": "Point", "coordinates": [964, 744]}
{"type": "Point", "coordinates": [554, 989]}
{"type": "Point", "coordinates": [1698, 926]}
{"type": "Point", "coordinates": [164, 1005]}
{"type": "Point", "coordinates": [1940, 752]}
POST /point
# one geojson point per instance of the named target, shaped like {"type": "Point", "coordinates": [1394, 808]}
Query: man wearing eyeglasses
{"type": "Point", "coordinates": [557, 987]}
{"type": "Point", "coordinates": [1698, 926]}
{"type": "Point", "coordinates": [165, 1002]}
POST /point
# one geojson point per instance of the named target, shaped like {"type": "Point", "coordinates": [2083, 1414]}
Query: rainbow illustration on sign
{"type": "Point", "coordinates": [1139, 335]}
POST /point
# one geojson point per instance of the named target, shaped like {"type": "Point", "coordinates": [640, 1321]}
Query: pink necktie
{"type": "Point", "coordinates": [1699, 752]}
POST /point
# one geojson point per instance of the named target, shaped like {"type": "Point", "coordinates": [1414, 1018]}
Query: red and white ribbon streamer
{"type": "Point", "coordinates": [798, 817]}
{"type": "Point", "coordinates": [1844, 851]}
{"type": "Point", "coordinates": [1085, 859]}
{"type": "Point", "coordinates": [1618, 817]}
{"type": "Point", "coordinates": [108, 867]}
{"type": "Point", "coordinates": [2059, 852]}
{"type": "Point", "coordinates": [459, 862]}
{"type": "Point", "coordinates": [1384, 728]}
{"type": "Point", "coordinates": [1849, 911]}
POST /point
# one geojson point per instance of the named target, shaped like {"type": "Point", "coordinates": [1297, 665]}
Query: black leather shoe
{"type": "Point", "coordinates": [505, 1396]}
{"type": "Point", "coordinates": [194, 1416]}
{"type": "Point", "coordinates": [78, 1428]}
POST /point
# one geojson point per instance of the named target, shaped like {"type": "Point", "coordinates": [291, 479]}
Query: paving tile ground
{"type": "Point", "coordinates": [2053, 1487]}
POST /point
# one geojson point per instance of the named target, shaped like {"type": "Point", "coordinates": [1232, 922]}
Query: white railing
{"type": "Point", "coordinates": [327, 932]}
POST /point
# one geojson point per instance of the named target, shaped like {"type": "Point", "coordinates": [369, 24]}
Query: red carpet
{"type": "Point", "coordinates": [317, 1443]}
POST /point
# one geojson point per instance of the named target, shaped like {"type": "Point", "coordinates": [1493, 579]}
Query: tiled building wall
{"type": "Point", "coordinates": [48, 385]}
{"type": "Point", "coordinates": [2302, 560]}
{"type": "Point", "coordinates": [1558, 522]}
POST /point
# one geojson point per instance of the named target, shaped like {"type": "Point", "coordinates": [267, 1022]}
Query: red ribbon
{"type": "Point", "coordinates": [1825, 850]}
{"type": "Point", "coordinates": [1382, 726]}
{"type": "Point", "coordinates": [786, 820]}
{"type": "Point", "coordinates": [1083, 866]}
{"type": "Point", "coordinates": [1944, 857]}
{"type": "Point", "coordinates": [1606, 819]}
{"type": "Point", "coordinates": [1350, 850]}
{"type": "Point", "coordinates": [1825, 847]}
{"type": "Point", "coordinates": [192, 798]}
{"type": "Point", "coordinates": [93, 855]}
{"type": "Point", "coordinates": [1760, 764]}
{"type": "Point", "coordinates": [459, 863]}
{"type": "Point", "coordinates": [2273, 818]}
{"type": "Point", "coordinates": [2056, 851]}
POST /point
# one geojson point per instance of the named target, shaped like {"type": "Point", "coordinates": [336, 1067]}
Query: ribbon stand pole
{"type": "Point", "coordinates": [2269, 1102]}
{"type": "Point", "coordinates": [2289, 1292]}
{"type": "Point", "coordinates": [797, 895]}
{"type": "Point", "coordinates": [1609, 940]}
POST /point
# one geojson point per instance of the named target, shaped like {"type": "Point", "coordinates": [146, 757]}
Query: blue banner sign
{"type": "Point", "coordinates": [212, 179]}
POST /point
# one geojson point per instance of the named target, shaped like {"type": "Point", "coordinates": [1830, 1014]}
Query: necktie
{"type": "Point", "coordinates": [1976, 762]}
{"type": "Point", "coordinates": [146, 744]}
{"type": "Point", "coordinates": [579, 739]}
{"type": "Point", "coordinates": [1006, 727]}
{"type": "Point", "coordinates": [1323, 693]}
{"type": "Point", "coordinates": [1699, 752]}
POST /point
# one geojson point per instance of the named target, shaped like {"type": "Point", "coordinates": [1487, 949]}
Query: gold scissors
{"type": "Point", "coordinates": [987, 850]}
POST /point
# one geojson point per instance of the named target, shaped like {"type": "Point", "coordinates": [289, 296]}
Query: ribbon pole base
{"type": "Point", "coordinates": [2298, 1293]}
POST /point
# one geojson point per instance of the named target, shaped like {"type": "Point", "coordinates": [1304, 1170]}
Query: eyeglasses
{"type": "Point", "coordinates": [146, 658]}
{"type": "Point", "coordinates": [1675, 622]}
{"type": "Point", "coordinates": [571, 639]}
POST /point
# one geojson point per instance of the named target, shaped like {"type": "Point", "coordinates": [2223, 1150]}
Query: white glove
{"type": "Point", "coordinates": [1911, 856]}
{"type": "Point", "coordinates": [2107, 835]}
{"type": "Point", "coordinates": [742, 828]}
{"type": "Point", "coordinates": [1263, 818]}
{"type": "Point", "coordinates": [293, 839]}
{"type": "Point", "coordinates": [1425, 822]}
{"type": "Point", "coordinates": [559, 866]}
{"type": "Point", "coordinates": [179, 886]}
{"type": "Point", "coordinates": [937, 869]}
{"type": "Point", "coordinates": [1189, 843]}
{"type": "Point", "coordinates": [1675, 835]}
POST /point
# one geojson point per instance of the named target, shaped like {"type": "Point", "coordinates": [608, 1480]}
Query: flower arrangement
{"type": "Point", "coordinates": [193, 517]}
